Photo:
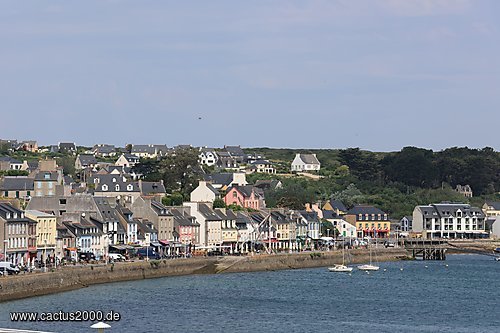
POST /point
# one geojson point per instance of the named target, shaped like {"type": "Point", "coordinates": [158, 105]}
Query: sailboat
{"type": "Point", "coordinates": [370, 266]}
{"type": "Point", "coordinates": [341, 268]}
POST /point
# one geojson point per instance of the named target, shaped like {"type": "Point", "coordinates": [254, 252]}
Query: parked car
{"type": "Point", "coordinates": [8, 268]}
{"type": "Point", "coordinates": [148, 252]}
{"type": "Point", "coordinates": [215, 253]}
{"type": "Point", "coordinates": [86, 256]}
{"type": "Point", "coordinates": [116, 256]}
{"type": "Point", "coordinates": [389, 244]}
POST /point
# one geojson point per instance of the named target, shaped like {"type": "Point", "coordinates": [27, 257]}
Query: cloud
{"type": "Point", "coordinates": [424, 7]}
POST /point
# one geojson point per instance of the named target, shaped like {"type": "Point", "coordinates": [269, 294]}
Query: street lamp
{"type": "Point", "coordinates": [45, 259]}
{"type": "Point", "coordinates": [5, 242]}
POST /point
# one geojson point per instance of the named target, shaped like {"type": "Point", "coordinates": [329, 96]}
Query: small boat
{"type": "Point", "coordinates": [497, 259]}
{"type": "Point", "coordinates": [497, 250]}
{"type": "Point", "coordinates": [368, 268]}
{"type": "Point", "coordinates": [340, 268]}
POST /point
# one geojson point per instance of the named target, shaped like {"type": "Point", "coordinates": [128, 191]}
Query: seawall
{"type": "Point", "coordinates": [75, 277]}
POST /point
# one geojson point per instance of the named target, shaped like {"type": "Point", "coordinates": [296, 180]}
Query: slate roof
{"type": "Point", "coordinates": [118, 180]}
{"type": "Point", "coordinates": [247, 190]}
{"type": "Point", "coordinates": [87, 160]}
{"type": "Point", "coordinates": [494, 204]}
{"type": "Point", "coordinates": [149, 149]}
{"type": "Point", "coordinates": [9, 159]}
{"type": "Point", "coordinates": [329, 214]}
{"type": "Point", "coordinates": [7, 208]}
{"type": "Point", "coordinates": [242, 219]}
{"type": "Point", "coordinates": [131, 157]}
{"type": "Point", "coordinates": [235, 151]}
{"type": "Point", "coordinates": [261, 162]}
{"type": "Point", "coordinates": [103, 149]}
{"type": "Point", "coordinates": [208, 213]}
{"type": "Point", "coordinates": [309, 158]}
{"type": "Point", "coordinates": [337, 204]}
{"type": "Point", "coordinates": [145, 227]}
{"type": "Point", "coordinates": [364, 209]}
{"type": "Point", "coordinates": [47, 175]}
{"type": "Point", "coordinates": [19, 183]}
{"type": "Point", "coordinates": [446, 209]}
{"type": "Point", "coordinates": [160, 209]}
{"type": "Point", "coordinates": [67, 146]}
{"type": "Point", "coordinates": [152, 187]}
{"type": "Point", "coordinates": [309, 216]}
{"type": "Point", "coordinates": [266, 184]}
{"type": "Point", "coordinates": [183, 220]}
{"type": "Point", "coordinates": [220, 178]}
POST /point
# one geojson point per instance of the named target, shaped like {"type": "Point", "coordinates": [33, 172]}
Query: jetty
{"type": "Point", "coordinates": [426, 249]}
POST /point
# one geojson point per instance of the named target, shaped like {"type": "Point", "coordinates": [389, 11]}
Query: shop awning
{"type": "Point", "coordinates": [122, 247]}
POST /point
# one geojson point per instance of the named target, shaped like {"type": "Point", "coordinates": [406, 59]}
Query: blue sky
{"type": "Point", "coordinates": [378, 74]}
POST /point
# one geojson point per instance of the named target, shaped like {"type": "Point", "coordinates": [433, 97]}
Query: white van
{"type": "Point", "coordinates": [116, 256]}
{"type": "Point", "coordinates": [7, 267]}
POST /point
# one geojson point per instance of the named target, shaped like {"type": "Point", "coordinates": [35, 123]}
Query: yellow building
{"type": "Point", "coordinates": [369, 221]}
{"type": "Point", "coordinates": [491, 209]}
{"type": "Point", "coordinates": [46, 231]}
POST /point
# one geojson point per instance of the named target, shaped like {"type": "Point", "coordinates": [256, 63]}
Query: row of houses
{"type": "Point", "coordinates": [63, 226]}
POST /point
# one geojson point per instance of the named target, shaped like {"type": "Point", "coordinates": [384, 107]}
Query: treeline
{"type": "Point", "coordinates": [396, 182]}
{"type": "Point", "coordinates": [422, 168]}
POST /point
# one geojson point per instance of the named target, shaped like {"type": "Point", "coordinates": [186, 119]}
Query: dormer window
{"type": "Point", "coordinates": [104, 187]}
{"type": "Point", "coordinates": [117, 188]}
{"type": "Point", "coordinates": [114, 180]}
{"type": "Point", "coordinates": [46, 176]}
{"type": "Point", "coordinates": [129, 187]}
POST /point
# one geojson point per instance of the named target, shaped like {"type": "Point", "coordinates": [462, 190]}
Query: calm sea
{"type": "Point", "coordinates": [461, 297]}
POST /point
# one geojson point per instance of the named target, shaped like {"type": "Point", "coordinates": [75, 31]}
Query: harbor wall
{"type": "Point", "coordinates": [75, 277]}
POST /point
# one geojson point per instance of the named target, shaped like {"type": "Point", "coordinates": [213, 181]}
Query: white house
{"type": "Point", "coordinates": [449, 220]}
{"type": "Point", "coordinates": [305, 162]}
{"type": "Point", "coordinates": [205, 192]}
{"type": "Point", "coordinates": [127, 160]}
{"type": "Point", "coordinates": [495, 227]}
{"type": "Point", "coordinates": [208, 156]}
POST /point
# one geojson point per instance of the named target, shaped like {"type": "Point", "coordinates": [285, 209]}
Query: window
{"type": "Point", "coordinates": [104, 187]}
{"type": "Point", "coordinates": [117, 188]}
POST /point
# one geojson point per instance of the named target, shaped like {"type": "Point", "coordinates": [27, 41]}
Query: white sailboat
{"type": "Point", "coordinates": [370, 266]}
{"type": "Point", "coordinates": [341, 268]}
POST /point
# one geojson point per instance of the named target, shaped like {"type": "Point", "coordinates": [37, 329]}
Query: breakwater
{"type": "Point", "coordinates": [75, 277]}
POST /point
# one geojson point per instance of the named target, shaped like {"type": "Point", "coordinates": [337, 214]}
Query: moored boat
{"type": "Point", "coordinates": [368, 267]}
{"type": "Point", "coordinates": [340, 268]}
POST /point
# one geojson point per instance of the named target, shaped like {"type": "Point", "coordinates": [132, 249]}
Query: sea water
{"type": "Point", "coordinates": [461, 294]}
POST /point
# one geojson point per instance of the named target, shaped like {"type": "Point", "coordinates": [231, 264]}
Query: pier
{"type": "Point", "coordinates": [426, 249]}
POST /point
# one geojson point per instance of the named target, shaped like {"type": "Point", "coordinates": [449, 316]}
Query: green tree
{"type": "Point", "coordinates": [219, 203]}
{"type": "Point", "coordinates": [180, 171]}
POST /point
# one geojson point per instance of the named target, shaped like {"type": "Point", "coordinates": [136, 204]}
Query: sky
{"type": "Point", "coordinates": [374, 74]}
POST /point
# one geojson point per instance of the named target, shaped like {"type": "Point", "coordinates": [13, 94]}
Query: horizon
{"type": "Point", "coordinates": [254, 147]}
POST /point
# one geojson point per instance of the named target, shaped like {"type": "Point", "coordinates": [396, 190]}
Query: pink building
{"type": "Point", "coordinates": [245, 196]}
